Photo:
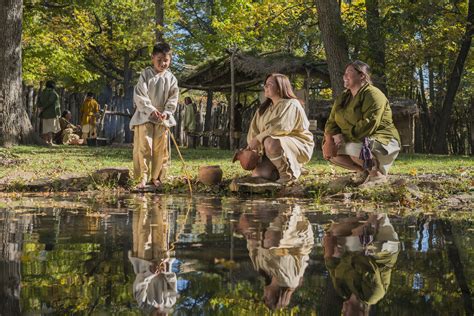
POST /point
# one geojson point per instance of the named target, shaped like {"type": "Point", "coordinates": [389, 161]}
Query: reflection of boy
{"type": "Point", "coordinates": [156, 98]}
{"type": "Point", "coordinates": [361, 279]}
{"type": "Point", "coordinates": [155, 285]}
{"type": "Point", "coordinates": [154, 288]}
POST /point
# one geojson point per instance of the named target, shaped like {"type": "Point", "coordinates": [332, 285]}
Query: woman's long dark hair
{"type": "Point", "coordinates": [361, 68]}
{"type": "Point", "coordinates": [284, 90]}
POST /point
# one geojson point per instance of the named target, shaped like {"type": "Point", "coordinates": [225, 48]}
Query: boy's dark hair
{"type": "Point", "coordinates": [50, 84]}
{"type": "Point", "coordinates": [65, 112]}
{"type": "Point", "coordinates": [90, 94]}
{"type": "Point", "coordinates": [161, 47]}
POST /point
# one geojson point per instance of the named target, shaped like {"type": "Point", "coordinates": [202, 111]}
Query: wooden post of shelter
{"type": "Point", "coordinates": [233, 51]}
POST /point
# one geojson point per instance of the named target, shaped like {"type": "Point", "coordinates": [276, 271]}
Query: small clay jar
{"type": "Point", "coordinates": [210, 175]}
{"type": "Point", "coordinates": [248, 158]}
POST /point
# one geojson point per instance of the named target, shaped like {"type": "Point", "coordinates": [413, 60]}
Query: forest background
{"type": "Point", "coordinates": [418, 49]}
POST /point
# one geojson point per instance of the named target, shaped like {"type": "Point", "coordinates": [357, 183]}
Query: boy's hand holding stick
{"type": "Point", "coordinates": [157, 116]}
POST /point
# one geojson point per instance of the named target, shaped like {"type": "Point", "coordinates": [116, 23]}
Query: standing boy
{"type": "Point", "coordinates": [156, 98]}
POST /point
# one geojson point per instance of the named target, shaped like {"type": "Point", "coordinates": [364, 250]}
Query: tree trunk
{"type": "Point", "coordinates": [376, 42]}
{"type": "Point", "coordinates": [159, 19]}
{"type": "Point", "coordinates": [431, 83]}
{"type": "Point", "coordinates": [471, 125]}
{"type": "Point", "coordinates": [444, 119]}
{"type": "Point", "coordinates": [425, 113]}
{"type": "Point", "coordinates": [335, 44]}
{"type": "Point", "coordinates": [15, 125]}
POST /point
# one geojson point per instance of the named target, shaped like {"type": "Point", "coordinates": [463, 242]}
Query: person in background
{"type": "Point", "coordinates": [50, 109]}
{"type": "Point", "coordinates": [69, 133]}
{"type": "Point", "coordinates": [359, 134]}
{"type": "Point", "coordinates": [190, 122]}
{"type": "Point", "coordinates": [280, 132]}
{"type": "Point", "coordinates": [156, 98]}
{"type": "Point", "coordinates": [89, 114]}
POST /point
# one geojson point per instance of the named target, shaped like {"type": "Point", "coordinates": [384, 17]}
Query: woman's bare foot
{"type": "Point", "coordinates": [374, 178]}
{"type": "Point", "coordinates": [156, 182]}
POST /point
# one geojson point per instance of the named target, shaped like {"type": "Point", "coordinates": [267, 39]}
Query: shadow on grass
{"type": "Point", "coordinates": [71, 152]}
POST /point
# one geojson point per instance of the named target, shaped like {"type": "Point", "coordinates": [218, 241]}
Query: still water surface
{"type": "Point", "coordinates": [228, 256]}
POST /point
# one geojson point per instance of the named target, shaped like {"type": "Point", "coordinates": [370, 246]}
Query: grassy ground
{"type": "Point", "coordinates": [52, 162]}
{"type": "Point", "coordinates": [427, 183]}
{"type": "Point", "coordinates": [418, 180]}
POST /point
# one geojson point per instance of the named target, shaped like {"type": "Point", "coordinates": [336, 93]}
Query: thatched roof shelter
{"type": "Point", "coordinates": [251, 70]}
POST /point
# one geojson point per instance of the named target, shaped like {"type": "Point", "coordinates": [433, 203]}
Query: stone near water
{"type": "Point", "coordinates": [120, 176]}
{"type": "Point", "coordinates": [254, 185]}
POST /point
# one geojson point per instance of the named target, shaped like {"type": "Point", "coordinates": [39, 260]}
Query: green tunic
{"type": "Point", "coordinates": [368, 114]}
{"type": "Point", "coordinates": [48, 101]}
{"type": "Point", "coordinates": [368, 277]}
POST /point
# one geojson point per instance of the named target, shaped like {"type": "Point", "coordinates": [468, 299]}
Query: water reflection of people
{"type": "Point", "coordinates": [280, 253]}
{"type": "Point", "coordinates": [360, 256]}
{"type": "Point", "coordinates": [155, 285]}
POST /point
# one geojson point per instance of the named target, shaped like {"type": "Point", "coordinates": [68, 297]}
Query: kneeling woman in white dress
{"type": "Point", "coordinates": [279, 131]}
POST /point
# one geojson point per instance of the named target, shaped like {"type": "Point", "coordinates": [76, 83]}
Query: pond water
{"type": "Point", "coordinates": [228, 256]}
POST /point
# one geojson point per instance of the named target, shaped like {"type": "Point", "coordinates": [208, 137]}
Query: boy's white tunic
{"type": "Point", "coordinates": [154, 92]}
{"type": "Point", "coordinates": [287, 122]}
{"type": "Point", "coordinates": [156, 290]}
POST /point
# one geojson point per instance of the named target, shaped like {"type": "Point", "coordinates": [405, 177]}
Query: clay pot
{"type": "Point", "coordinates": [210, 175]}
{"type": "Point", "coordinates": [248, 158]}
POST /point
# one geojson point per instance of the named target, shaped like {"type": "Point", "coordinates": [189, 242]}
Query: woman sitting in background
{"type": "Point", "coordinates": [360, 125]}
{"type": "Point", "coordinates": [69, 133]}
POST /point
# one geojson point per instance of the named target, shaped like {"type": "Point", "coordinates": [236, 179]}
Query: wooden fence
{"type": "Point", "coordinates": [118, 112]}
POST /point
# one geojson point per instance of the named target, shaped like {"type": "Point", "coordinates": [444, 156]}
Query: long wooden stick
{"type": "Point", "coordinates": [182, 160]}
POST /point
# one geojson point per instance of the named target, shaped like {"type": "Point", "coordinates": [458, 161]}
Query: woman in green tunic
{"type": "Point", "coordinates": [360, 256]}
{"type": "Point", "coordinates": [361, 115]}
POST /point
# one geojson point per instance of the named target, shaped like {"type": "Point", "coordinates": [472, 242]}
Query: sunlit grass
{"type": "Point", "coordinates": [52, 162]}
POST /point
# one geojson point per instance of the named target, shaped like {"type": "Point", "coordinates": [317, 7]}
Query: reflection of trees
{"type": "Point", "coordinates": [69, 263]}
{"type": "Point", "coordinates": [424, 282]}
{"type": "Point", "coordinates": [11, 236]}
{"type": "Point", "coordinates": [75, 263]}
{"type": "Point", "coordinates": [455, 259]}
